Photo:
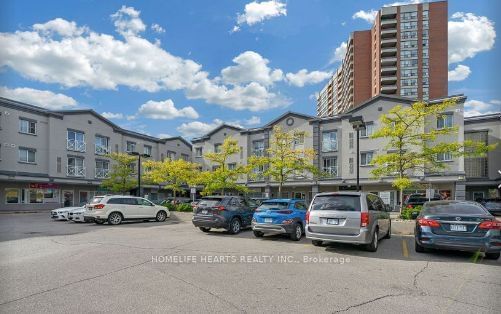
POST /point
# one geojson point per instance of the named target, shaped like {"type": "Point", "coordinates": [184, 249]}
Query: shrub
{"type": "Point", "coordinates": [407, 212]}
{"type": "Point", "coordinates": [184, 208]}
{"type": "Point", "coordinates": [170, 206]}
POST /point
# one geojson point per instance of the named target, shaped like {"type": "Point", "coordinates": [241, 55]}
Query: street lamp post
{"type": "Point", "coordinates": [139, 170]}
{"type": "Point", "coordinates": [358, 124]}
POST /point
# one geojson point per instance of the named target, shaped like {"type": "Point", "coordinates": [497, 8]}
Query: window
{"type": "Point", "coordinates": [215, 167]}
{"type": "Point", "coordinates": [425, 14]}
{"type": "Point", "coordinates": [330, 166]}
{"type": "Point", "coordinates": [300, 206]}
{"type": "Point", "coordinates": [299, 140]}
{"type": "Point", "coordinates": [350, 163]}
{"type": "Point", "coordinates": [185, 157]}
{"type": "Point", "coordinates": [27, 126]}
{"type": "Point", "coordinates": [408, 15]}
{"type": "Point", "coordinates": [27, 155]}
{"type": "Point", "coordinates": [426, 93]}
{"type": "Point", "coordinates": [408, 25]}
{"type": "Point", "coordinates": [426, 62]}
{"type": "Point", "coordinates": [408, 82]}
{"type": "Point", "coordinates": [409, 53]}
{"type": "Point", "coordinates": [102, 169]}
{"type": "Point", "coordinates": [367, 131]}
{"type": "Point", "coordinates": [35, 196]}
{"type": "Point", "coordinates": [58, 165]}
{"type": "Point", "coordinates": [366, 158]}
{"type": "Point", "coordinates": [144, 202]}
{"type": "Point", "coordinates": [12, 196]}
{"type": "Point", "coordinates": [130, 147]}
{"type": "Point", "coordinates": [444, 121]}
{"type": "Point", "coordinates": [426, 53]}
{"type": "Point", "coordinates": [232, 166]}
{"type": "Point", "coordinates": [408, 92]}
{"type": "Point", "coordinates": [425, 42]}
{"type": "Point", "coordinates": [409, 44]}
{"type": "Point", "coordinates": [409, 72]}
{"type": "Point", "coordinates": [425, 72]}
{"type": "Point", "coordinates": [171, 155]}
{"type": "Point", "coordinates": [425, 33]}
{"type": "Point", "coordinates": [75, 141]}
{"type": "Point", "coordinates": [217, 148]}
{"type": "Point", "coordinates": [409, 63]}
{"type": "Point", "coordinates": [426, 24]}
{"type": "Point", "coordinates": [102, 145]}
{"type": "Point", "coordinates": [426, 81]}
{"type": "Point", "coordinates": [444, 156]}
{"type": "Point", "coordinates": [198, 151]}
{"type": "Point", "coordinates": [329, 141]}
{"type": "Point", "coordinates": [132, 167]}
{"type": "Point", "coordinates": [75, 167]}
{"type": "Point", "coordinates": [408, 35]}
{"type": "Point", "coordinates": [258, 148]}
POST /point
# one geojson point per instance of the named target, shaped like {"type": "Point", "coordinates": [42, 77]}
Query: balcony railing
{"type": "Point", "coordinates": [102, 173]}
{"type": "Point", "coordinates": [102, 150]}
{"type": "Point", "coordinates": [258, 152]}
{"type": "Point", "coordinates": [75, 145]}
{"type": "Point", "coordinates": [75, 171]}
{"type": "Point", "coordinates": [330, 172]}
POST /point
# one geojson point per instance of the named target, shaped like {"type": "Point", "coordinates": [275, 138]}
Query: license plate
{"type": "Point", "coordinates": [458, 228]}
{"type": "Point", "coordinates": [333, 221]}
{"type": "Point", "coordinates": [204, 212]}
{"type": "Point", "coordinates": [268, 220]}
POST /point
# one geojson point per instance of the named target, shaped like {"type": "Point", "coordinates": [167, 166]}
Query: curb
{"type": "Point", "coordinates": [402, 227]}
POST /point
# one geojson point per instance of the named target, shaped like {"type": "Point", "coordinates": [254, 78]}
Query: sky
{"type": "Point", "coordinates": [181, 67]}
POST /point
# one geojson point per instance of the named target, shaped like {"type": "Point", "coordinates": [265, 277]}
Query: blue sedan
{"type": "Point", "coordinates": [458, 225]}
{"type": "Point", "coordinates": [280, 216]}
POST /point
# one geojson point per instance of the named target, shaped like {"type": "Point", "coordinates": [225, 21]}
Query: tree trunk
{"type": "Point", "coordinates": [401, 192]}
{"type": "Point", "coordinates": [280, 190]}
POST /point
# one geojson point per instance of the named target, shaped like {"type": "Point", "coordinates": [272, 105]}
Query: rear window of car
{"type": "Point", "coordinates": [96, 200]}
{"type": "Point", "coordinates": [493, 205]}
{"type": "Point", "coordinates": [337, 202]}
{"type": "Point", "coordinates": [209, 202]}
{"type": "Point", "coordinates": [272, 206]}
{"type": "Point", "coordinates": [454, 208]}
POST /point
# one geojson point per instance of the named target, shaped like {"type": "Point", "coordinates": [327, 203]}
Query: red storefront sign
{"type": "Point", "coordinates": [43, 186]}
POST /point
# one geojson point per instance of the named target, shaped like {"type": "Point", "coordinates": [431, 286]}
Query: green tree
{"type": "Point", "coordinates": [121, 178]}
{"type": "Point", "coordinates": [413, 143]}
{"type": "Point", "coordinates": [223, 177]}
{"type": "Point", "coordinates": [283, 159]}
{"type": "Point", "coordinates": [175, 174]}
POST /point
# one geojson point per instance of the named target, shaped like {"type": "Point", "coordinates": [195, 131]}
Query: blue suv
{"type": "Point", "coordinates": [280, 216]}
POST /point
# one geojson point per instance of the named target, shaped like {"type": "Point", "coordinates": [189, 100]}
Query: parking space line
{"type": "Point", "coordinates": [405, 249]}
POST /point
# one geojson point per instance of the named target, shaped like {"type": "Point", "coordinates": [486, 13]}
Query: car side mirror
{"type": "Point", "coordinates": [414, 215]}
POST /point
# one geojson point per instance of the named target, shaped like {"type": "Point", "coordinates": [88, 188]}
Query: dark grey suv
{"type": "Point", "coordinates": [226, 212]}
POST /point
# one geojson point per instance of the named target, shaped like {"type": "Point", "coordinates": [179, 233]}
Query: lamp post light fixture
{"type": "Point", "coordinates": [358, 124]}
{"type": "Point", "coordinates": [139, 170]}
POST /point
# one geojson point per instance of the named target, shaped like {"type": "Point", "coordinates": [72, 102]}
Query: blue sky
{"type": "Point", "coordinates": [183, 67]}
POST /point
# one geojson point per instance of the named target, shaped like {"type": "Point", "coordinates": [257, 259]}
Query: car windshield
{"type": "Point", "coordinates": [209, 202]}
{"type": "Point", "coordinates": [272, 206]}
{"type": "Point", "coordinates": [96, 199]}
{"type": "Point", "coordinates": [493, 205]}
{"type": "Point", "coordinates": [454, 208]}
{"type": "Point", "coordinates": [336, 202]}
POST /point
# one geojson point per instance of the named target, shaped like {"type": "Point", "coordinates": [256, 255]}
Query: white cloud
{"type": "Point", "coordinates": [163, 135]}
{"type": "Point", "coordinates": [398, 3]}
{"type": "Point", "coordinates": [197, 128]}
{"type": "Point", "coordinates": [476, 107]}
{"type": "Point", "coordinates": [157, 28]}
{"type": "Point", "coordinates": [339, 53]}
{"type": "Point", "coordinates": [61, 27]}
{"type": "Point", "coordinates": [495, 102]}
{"type": "Point", "coordinates": [303, 77]}
{"type": "Point", "coordinates": [42, 98]}
{"type": "Point", "coordinates": [112, 115]}
{"type": "Point", "coordinates": [368, 16]}
{"type": "Point", "coordinates": [165, 110]}
{"type": "Point", "coordinates": [468, 35]}
{"type": "Point", "coordinates": [131, 117]}
{"type": "Point", "coordinates": [254, 120]}
{"type": "Point", "coordinates": [250, 67]}
{"type": "Point", "coordinates": [256, 12]}
{"type": "Point", "coordinates": [461, 72]}
{"type": "Point", "coordinates": [127, 21]}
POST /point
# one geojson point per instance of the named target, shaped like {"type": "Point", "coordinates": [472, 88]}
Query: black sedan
{"type": "Point", "coordinates": [458, 225]}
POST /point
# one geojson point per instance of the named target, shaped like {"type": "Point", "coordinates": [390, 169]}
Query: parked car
{"type": "Point", "coordinates": [348, 217]}
{"type": "Point", "coordinates": [77, 215]}
{"type": "Point", "coordinates": [280, 216]}
{"type": "Point", "coordinates": [116, 208]}
{"type": "Point", "coordinates": [194, 204]}
{"type": "Point", "coordinates": [62, 213]}
{"type": "Point", "coordinates": [418, 200]}
{"type": "Point", "coordinates": [493, 205]}
{"type": "Point", "coordinates": [224, 212]}
{"type": "Point", "coordinates": [259, 200]}
{"type": "Point", "coordinates": [457, 225]}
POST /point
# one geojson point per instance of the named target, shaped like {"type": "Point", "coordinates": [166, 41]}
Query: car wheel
{"type": "Point", "coordinates": [388, 235]}
{"type": "Point", "coordinates": [492, 255]}
{"type": "Point", "coordinates": [235, 226]}
{"type": "Point", "coordinates": [258, 234]}
{"type": "Point", "coordinates": [204, 229]}
{"type": "Point", "coordinates": [161, 216]}
{"type": "Point", "coordinates": [316, 242]}
{"type": "Point", "coordinates": [99, 222]}
{"type": "Point", "coordinates": [297, 233]}
{"type": "Point", "coordinates": [372, 247]}
{"type": "Point", "coordinates": [115, 218]}
{"type": "Point", "coordinates": [418, 247]}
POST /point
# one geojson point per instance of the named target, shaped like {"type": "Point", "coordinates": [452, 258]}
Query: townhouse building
{"type": "Point", "coordinates": [334, 141]}
{"type": "Point", "coordinates": [50, 159]}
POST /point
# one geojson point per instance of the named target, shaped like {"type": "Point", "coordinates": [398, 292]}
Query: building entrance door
{"type": "Point", "coordinates": [67, 198]}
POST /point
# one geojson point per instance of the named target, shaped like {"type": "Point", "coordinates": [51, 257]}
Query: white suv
{"type": "Point", "coordinates": [116, 208]}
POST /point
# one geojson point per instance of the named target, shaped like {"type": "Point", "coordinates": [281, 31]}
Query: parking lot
{"type": "Point", "coordinates": [52, 266]}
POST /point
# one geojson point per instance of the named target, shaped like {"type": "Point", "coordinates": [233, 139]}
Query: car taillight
{"type": "Point", "coordinates": [307, 217]}
{"type": "Point", "coordinates": [409, 206]}
{"type": "Point", "coordinates": [287, 212]}
{"type": "Point", "coordinates": [428, 222]}
{"type": "Point", "coordinates": [490, 225]}
{"type": "Point", "coordinates": [364, 219]}
{"type": "Point", "coordinates": [99, 206]}
{"type": "Point", "coordinates": [219, 209]}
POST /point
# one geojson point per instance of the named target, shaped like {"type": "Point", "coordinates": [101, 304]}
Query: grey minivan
{"type": "Point", "coordinates": [348, 217]}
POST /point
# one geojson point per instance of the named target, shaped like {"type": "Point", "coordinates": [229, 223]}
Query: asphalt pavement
{"type": "Point", "coordinates": [61, 267]}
